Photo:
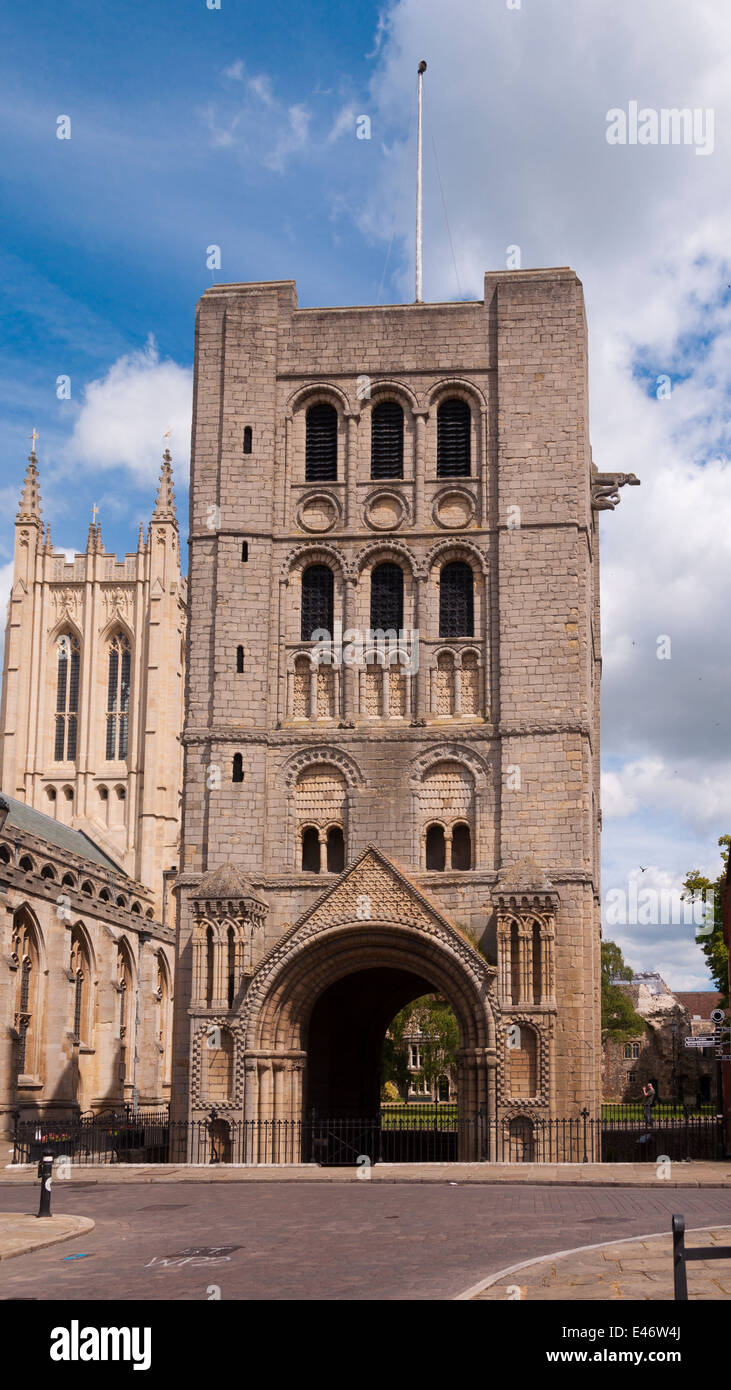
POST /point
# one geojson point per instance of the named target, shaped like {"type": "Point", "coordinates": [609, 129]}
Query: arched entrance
{"type": "Point", "coordinates": [318, 1008]}
{"type": "Point", "coordinates": [345, 1040]}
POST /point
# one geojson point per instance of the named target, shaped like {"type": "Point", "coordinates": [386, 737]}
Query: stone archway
{"type": "Point", "coordinates": [319, 1004]}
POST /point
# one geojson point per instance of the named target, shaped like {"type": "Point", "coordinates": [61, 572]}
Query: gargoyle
{"type": "Point", "coordinates": [605, 488]}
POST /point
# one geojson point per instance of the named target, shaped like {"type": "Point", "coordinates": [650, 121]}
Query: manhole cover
{"type": "Point", "coordinates": [180, 1206]}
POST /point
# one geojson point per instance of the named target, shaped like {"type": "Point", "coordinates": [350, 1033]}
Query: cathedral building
{"type": "Point", "coordinates": [92, 695]}
{"type": "Point", "coordinates": [391, 731]}
{"type": "Point", "coordinates": [90, 774]}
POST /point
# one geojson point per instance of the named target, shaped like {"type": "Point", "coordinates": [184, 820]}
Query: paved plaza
{"type": "Point", "coordinates": [623, 1270]}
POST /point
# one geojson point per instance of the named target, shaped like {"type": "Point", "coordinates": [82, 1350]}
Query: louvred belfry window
{"type": "Point", "coordinates": [387, 440]}
{"type": "Point", "coordinates": [118, 698]}
{"type": "Point", "coordinates": [321, 444]}
{"type": "Point", "coordinates": [453, 439]}
{"type": "Point", "coordinates": [387, 598]}
{"type": "Point", "coordinates": [456, 600]}
{"type": "Point", "coordinates": [67, 698]}
{"type": "Point", "coordinates": [317, 601]}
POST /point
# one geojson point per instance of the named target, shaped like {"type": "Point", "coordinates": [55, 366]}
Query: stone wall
{"type": "Point", "coordinates": [56, 929]}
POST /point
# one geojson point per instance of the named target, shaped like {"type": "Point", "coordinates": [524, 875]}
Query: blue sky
{"type": "Point", "coordinates": [237, 127]}
{"type": "Point", "coordinates": [106, 233]}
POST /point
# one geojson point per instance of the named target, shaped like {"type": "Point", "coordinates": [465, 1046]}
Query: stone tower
{"type": "Point", "coordinates": [92, 695]}
{"type": "Point", "coordinates": [362, 823]}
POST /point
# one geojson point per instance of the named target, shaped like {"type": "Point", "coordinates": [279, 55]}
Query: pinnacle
{"type": "Point", "coordinates": [30, 501]}
{"type": "Point", "coordinates": [165, 500]}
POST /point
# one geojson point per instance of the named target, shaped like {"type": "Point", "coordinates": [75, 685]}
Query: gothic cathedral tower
{"type": "Point", "coordinates": [92, 695]}
{"type": "Point", "coordinates": [365, 819]}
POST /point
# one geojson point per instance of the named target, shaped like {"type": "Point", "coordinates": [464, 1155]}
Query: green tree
{"type": "Point", "coordinates": [395, 1065]}
{"type": "Point", "coordinates": [698, 888]}
{"type": "Point", "coordinates": [433, 1018]}
{"type": "Point", "coordinates": [620, 1019]}
{"type": "Point", "coordinates": [441, 1040]}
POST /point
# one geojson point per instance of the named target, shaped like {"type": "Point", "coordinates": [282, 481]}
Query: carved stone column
{"type": "Point", "coordinates": [198, 989]}
{"type": "Point", "coordinates": [420, 679]}
{"type": "Point", "coordinates": [220, 982]}
{"type": "Point", "coordinates": [250, 1108]}
{"type": "Point", "coordinates": [351, 468]}
{"type": "Point", "coordinates": [420, 419]}
{"type": "Point", "coordinates": [504, 923]}
{"type": "Point", "coordinates": [525, 972]}
{"type": "Point", "coordinates": [548, 987]}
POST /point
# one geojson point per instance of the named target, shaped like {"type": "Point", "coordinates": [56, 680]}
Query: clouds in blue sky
{"type": "Point", "coordinates": [237, 127]}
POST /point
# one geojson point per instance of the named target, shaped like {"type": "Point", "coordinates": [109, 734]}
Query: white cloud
{"type": "Point", "coordinates": [124, 415]}
{"type": "Point", "coordinates": [699, 796]}
{"type": "Point", "coordinates": [261, 87]}
{"type": "Point", "coordinates": [616, 803]}
{"type": "Point", "coordinates": [221, 135]}
{"type": "Point", "coordinates": [292, 137]}
{"type": "Point", "coordinates": [343, 124]}
{"type": "Point", "coordinates": [256, 123]}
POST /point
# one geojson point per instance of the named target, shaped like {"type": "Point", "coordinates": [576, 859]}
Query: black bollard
{"type": "Point", "coordinates": [44, 1208]}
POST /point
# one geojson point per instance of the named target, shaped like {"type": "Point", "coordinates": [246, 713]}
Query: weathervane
{"type": "Point", "coordinates": [94, 514]}
{"type": "Point", "coordinates": [33, 437]}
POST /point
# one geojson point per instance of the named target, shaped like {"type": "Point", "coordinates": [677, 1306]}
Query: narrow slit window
{"type": "Point", "coordinates": [238, 768]}
{"type": "Point", "coordinates": [244, 551]}
{"type": "Point", "coordinates": [247, 439]}
{"type": "Point", "coordinates": [239, 660]}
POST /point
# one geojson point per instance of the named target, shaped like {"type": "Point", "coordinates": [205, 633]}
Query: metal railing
{"type": "Point", "coordinates": [407, 1136]}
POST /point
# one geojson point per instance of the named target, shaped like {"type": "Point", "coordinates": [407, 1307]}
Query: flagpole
{"type": "Point", "coordinates": [421, 70]}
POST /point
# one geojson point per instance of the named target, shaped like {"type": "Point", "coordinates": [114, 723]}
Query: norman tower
{"type": "Point", "coordinates": [422, 469]}
{"type": "Point", "coordinates": [92, 695]}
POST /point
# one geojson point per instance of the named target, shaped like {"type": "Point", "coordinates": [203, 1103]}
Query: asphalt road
{"type": "Point", "coordinates": [359, 1241]}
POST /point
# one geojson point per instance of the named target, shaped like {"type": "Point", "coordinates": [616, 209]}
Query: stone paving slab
{"type": "Point", "coordinates": [565, 1174]}
{"type": "Point", "coordinates": [21, 1233]}
{"type": "Point", "coordinates": [639, 1269]}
